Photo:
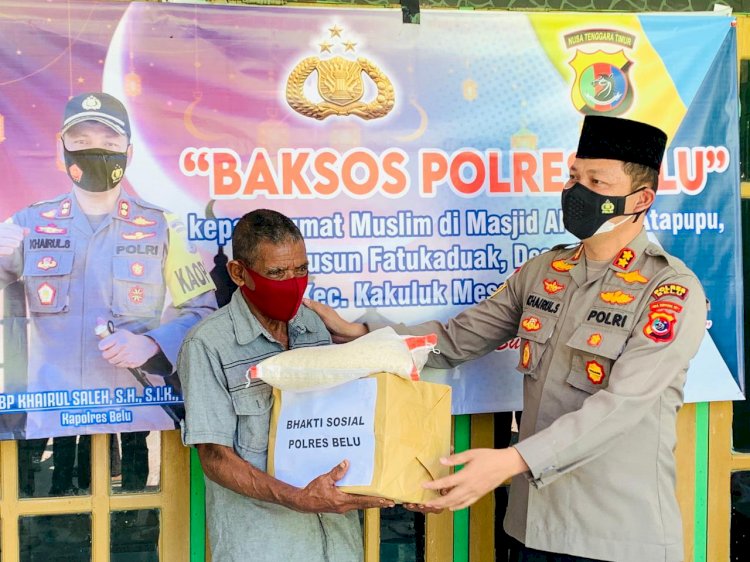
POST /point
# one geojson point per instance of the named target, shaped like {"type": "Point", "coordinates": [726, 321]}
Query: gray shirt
{"type": "Point", "coordinates": [221, 408]}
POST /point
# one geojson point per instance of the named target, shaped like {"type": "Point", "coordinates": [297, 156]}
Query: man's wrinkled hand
{"type": "Point", "coordinates": [322, 496]}
{"type": "Point", "coordinates": [341, 330]}
{"type": "Point", "coordinates": [421, 508]}
{"type": "Point", "coordinates": [127, 350]}
{"type": "Point", "coordinates": [11, 237]}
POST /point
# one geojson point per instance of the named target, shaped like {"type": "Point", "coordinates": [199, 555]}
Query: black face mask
{"type": "Point", "coordinates": [95, 169]}
{"type": "Point", "coordinates": [585, 212]}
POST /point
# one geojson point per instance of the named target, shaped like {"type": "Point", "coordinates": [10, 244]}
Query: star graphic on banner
{"type": "Point", "coordinates": [325, 47]}
{"type": "Point", "coordinates": [335, 31]}
{"type": "Point", "coordinates": [81, 79]}
{"type": "Point", "coordinates": [349, 45]}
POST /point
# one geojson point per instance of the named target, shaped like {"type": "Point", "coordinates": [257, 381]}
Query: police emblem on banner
{"type": "Point", "coordinates": [601, 84]}
{"type": "Point", "coordinates": [340, 83]}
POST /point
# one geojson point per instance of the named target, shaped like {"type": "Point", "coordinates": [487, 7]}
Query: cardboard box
{"type": "Point", "coordinates": [392, 430]}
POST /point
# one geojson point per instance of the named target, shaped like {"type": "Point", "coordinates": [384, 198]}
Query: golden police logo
{"type": "Point", "coordinates": [138, 235]}
{"type": "Point", "coordinates": [595, 372]}
{"type": "Point", "coordinates": [595, 340]}
{"type": "Point", "coordinates": [117, 174]}
{"type": "Point", "coordinates": [616, 297]}
{"type": "Point", "coordinates": [608, 207]}
{"type": "Point", "coordinates": [601, 84]}
{"type": "Point", "coordinates": [340, 84]}
{"type": "Point", "coordinates": [632, 277]}
{"type": "Point", "coordinates": [91, 103]}
{"type": "Point", "coordinates": [142, 221]}
{"type": "Point", "coordinates": [562, 266]}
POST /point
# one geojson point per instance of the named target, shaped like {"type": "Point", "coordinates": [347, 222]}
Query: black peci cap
{"type": "Point", "coordinates": [97, 106]}
{"type": "Point", "coordinates": [615, 138]}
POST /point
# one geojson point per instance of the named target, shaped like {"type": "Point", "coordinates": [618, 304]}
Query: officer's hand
{"type": "Point", "coordinates": [322, 496]}
{"type": "Point", "coordinates": [483, 471]}
{"type": "Point", "coordinates": [128, 350]}
{"type": "Point", "coordinates": [341, 330]}
{"type": "Point", "coordinates": [11, 237]}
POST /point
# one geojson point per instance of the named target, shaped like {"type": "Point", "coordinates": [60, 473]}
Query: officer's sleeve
{"type": "Point", "coordinates": [190, 287]}
{"type": "Point", "coordinates": [477, 330]}
{"type": "Point", "coordinates": [209, 414]}
{"type": "Point", "coordinates": [11, 267]}
{"type": "Point", "coordinates": [656, 355]}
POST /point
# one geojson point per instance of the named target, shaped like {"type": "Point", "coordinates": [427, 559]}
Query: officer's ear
{"type": "Point", "coordinates": [645, 198]}
{"type": "Point", "coordinates": [129, 152]}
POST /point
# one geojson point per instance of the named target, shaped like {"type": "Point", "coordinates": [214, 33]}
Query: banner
{"type": "Point", "coordinates": [422, 163]}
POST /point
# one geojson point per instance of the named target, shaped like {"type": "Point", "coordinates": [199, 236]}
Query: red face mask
{"type": "Point", "coordinates": [279, 300]}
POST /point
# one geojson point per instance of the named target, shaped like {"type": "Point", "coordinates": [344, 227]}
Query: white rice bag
{"type": "Point", "coordinates": [325, 366]}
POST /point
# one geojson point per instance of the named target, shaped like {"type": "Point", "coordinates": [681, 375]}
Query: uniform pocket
{"type": "Point", "coordinates": [47, 277]}
{"type": "Point", "coordinates": [594, 352]}
{"type": "Point", "coordinates": [535, 330]}
{"type": "Point", "coordinates": [253, 409]}
{"type": "Point", "coordinates": [137, 286]}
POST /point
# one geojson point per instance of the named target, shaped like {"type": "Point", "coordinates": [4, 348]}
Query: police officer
{"type": "Point", "coordinates": [97, 254]}
{"type": "Point", "coordinates": [607, 330]}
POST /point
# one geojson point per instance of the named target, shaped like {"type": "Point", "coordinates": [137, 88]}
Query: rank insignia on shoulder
{"type": "Point", "coordinates": [624, 259]}
{"type": "Point", "coordinates": [562, 266]}
{"type": "Point", "coordinates": [595, 372]}
{"type": "Point", "coordinates": [671, 289]}
{"type": "Point", "coordinates": [531, 324]}
{"type": "Point", "coordinates": [631, 277]}
{"type": "Point", "coordinates": [46, 263]}
{"type": "Point", "coordinates": [551, 286]}
{"type": "Point", "coordinates": [616, 297]}
{"type": "Point", "coordinates": [123, 209]}
{"type": "Point", "coordinates": [526, 355]}
{"type": "Point", "coordinates": [51, 229]}
{"type": "Point", "coordinates": [595, 340]}
{"type": "Point", "coordinates": [65, 207]}
{"type": "Point", "coordinates": [138, 235]}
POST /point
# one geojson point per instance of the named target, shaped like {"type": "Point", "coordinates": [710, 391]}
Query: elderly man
{"type": "Point", "coordinates": [608, 328]}
{"type": "Point", "coordinates": [249, 513]}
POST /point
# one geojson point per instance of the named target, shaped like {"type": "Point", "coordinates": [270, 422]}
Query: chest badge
{"type": "Point", "coordinates": [138, 235]}
{"type": "Point", "coordinates": [562, 266]}
{"type": "Point", "coordinates": [595, 340]}
{"type": "Point", "coordinates": [136, 294]}
{"type": "Point", "coordinates": [660, 325]}
{"type": "Point", "coordinates": [46, 294]}
{"type": "Point", "coordinates": [551, 286]}
{"type": "Point", "coordinates": [51, 228]}
{"type": "Point", "coordinates": [46, 263]}
{"type": "Point", "coordinates": [595, 372]}
{"type": "Point", "coordinates": [526, 355]}
{"type": "Point", "coordinates": [616, 297]}
{"type": "Point", "coordinates": [142, 221]}
{"type": "Point", "coordinates": [531, 324]}
{"type": "Point", "coordinates": [137, 269]}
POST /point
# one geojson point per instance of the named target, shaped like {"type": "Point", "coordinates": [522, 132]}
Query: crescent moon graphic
{"type": "Point", "coordinates": [423, 122]}
{"type": "Point", "coordinates": [187, 119]}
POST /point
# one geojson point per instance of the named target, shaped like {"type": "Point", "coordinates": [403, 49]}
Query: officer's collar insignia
{"type": "Point", "coordinates": [632, 277]}
{"type": "Point", "coordinates": [138, 235]}
{"type": "Point", "coordinates": [46, 263]}
{"type": "Point", "coordinates": [624, 259]}
{"type": "Point", "coordinates": [595, 372]}
{"type": "Point", "coordinates": [46, 294]}
{"type": "Point", "coordinates": [123, 209]}
{"type": "Point", "coordinates": [51, 229]}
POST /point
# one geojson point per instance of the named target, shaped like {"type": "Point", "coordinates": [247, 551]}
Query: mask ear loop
{"type": "Point", "coordinates": [637, 215]}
